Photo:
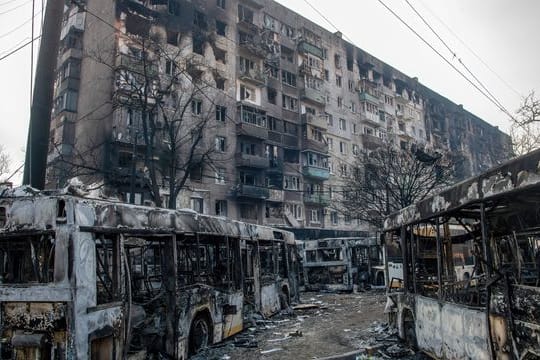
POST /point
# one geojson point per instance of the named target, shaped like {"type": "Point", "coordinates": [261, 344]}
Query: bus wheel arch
{"type": "Point", "coordinates": [408, 326]}
{"type": "Point", "coordinates": [200, 332]}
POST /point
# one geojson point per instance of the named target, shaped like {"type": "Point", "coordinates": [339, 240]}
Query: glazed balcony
{"type": "Point", "coordinates": [253, 161]}
{"type": "Point", "coordinates": [365, 96]}
{"type": "Point", "coordinates": [314, 120]}
{"type": "Point", "coordinates": [252, 191]}
{"type": "Point", "coordinates": [314, 96]}
{"type": "Point", "coordinates": [306, 47]}
{"type": "Point", "coordinates": [371, 142]}
{"type": "Point", "coordinates": [317, 199]}
{"type": "Point", "coordinates": [137, 65]}
{"type": "Point", "coordinates": [371, 118]}
{"type": "Point", "coordinates": [316, 172]}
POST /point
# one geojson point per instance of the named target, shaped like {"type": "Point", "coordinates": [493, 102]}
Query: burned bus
{"type": "Point", "coordinates": [488, 228]}
{"type": "Point", "coordinates": [337, 264]}
{"type": "Point", "coordinates": [86, 278]}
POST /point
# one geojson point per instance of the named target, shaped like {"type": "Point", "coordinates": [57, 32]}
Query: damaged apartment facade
{"type": "Point", "coordinates": [291, 106]}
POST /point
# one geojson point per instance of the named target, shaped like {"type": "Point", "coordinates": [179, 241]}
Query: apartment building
{"type": "Point", "coordinates": [291, 105]}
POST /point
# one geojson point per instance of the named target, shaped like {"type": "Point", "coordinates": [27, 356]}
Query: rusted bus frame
{"type": "Point", "coordinates": [505, 327]}
{"type": "Point", "coordinates": [84, 220]}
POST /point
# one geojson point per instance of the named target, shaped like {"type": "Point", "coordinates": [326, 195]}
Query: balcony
{"type": "Point", "coordinates": [254, 76]}
{"type": "Point", "coordinates": [276, 166]}
{"type": "Point", "coordinates": [137, 65]}
{"type": "Point", "coordinates": [253, 161]}
{"type": "Point", "coordinates": [365, 96]}
{"type": "Point", "coordinates": [314, 120]}
{"type": "Point", "coordinates": [314, 96]}
{"type": "Point", "coordinates": [306, 47]}
{"type": "Point", "coordinates": [252, 191]}
{"type": "Point", "coordinates": [401, 100]}
{"type": "Point", "coordinates": [371, 142]}
{"type": "Point", "coordinates": [370, 118]}
{"type": "Point", "coordinates": [316, 172]}
{"type": "Point", "coordinates": [290, 141]}
{"type": "Point", "coordinates": [317, 199]}
{"type": "Point", "coordinates": [275, 195]}
{"type": "Point", "coordinates": [74, 21]}
{"type": "Point", "coordinates": [255, 131]}
{"type": "Point", "coordinates": [317, 146]}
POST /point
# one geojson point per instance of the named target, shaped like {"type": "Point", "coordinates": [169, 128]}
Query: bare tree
{"type": "Point", "coordinates": [525, 128]}
{"type": "Point", "coordinates": [5, 162]}
{"type": "Point", "coordinates": [163, 110]}
{"type": "Point", "coordinates": [388, 179]}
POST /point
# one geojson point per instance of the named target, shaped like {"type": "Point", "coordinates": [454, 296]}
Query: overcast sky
{"type": "Point", "coordinates": [502, 34]}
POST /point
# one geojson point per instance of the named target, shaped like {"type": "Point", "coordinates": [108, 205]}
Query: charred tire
{"type": "Point", "coordinates": [200, 334]}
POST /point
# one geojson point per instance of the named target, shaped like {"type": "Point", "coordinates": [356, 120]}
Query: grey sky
{"type": "Point", "coordinates": [503, 33]}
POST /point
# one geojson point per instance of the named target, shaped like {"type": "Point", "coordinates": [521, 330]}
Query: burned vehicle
{"type": "Point", "coordinates": [86, 278]}
{"type": "Point", "coordinates": [337, 264]}
{"type": "Point", "coordinates": [472, 293]}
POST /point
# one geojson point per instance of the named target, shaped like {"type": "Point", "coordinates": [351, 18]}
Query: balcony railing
{"type": "Point", "coordinates": [315, 120]}
{"type": "Point", "coordinates": [318, 146]}
{"type": "Point", "coordinates": [317, 198]}
{"type": "Point", "coordinates": [306, 47]}
{"type": "Point", "coordinates": [316, 172]}
{"type": "Point", "coordinates": [137, 65]}
{"type": "Point", "coordinates": [313, 95]}
{"type": "Point", "coordinates": [371, 142]}
{"type": "Point", "coordinates": [254, 76]}
{"type": "Point", "coordinates": [255, 131]}
{"type": "Point", "coordinates": [254, 161]}
{"type": "Point", "coordinates": [371, 118]}
{"type": "Point", "coordinates": [252, 191]}
{"type": "Point", "coordinates": [365, 96]}
{"type": "Point", "coordinates": [275, 195]}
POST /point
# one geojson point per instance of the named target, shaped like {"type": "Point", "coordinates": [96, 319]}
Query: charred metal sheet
{"type": "Point", "coordinates": [462, 335]}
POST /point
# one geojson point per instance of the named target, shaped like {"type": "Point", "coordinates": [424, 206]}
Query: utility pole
{"type": "Point", "coordinates": [40, 112]}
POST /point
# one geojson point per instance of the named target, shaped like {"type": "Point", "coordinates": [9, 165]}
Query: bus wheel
{"type": "Point", "coordinates": [199, 334]}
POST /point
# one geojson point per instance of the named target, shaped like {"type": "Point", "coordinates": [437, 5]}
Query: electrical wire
{"type": "Point", "coordinates": [19, 48]}
{"type": "Point", "coordinates": [18, 27]}
{"type": "Point", "coordinates": [15, 8]}
{"type": "Point", "coordinates": [446, 60]}
{"type": "Point", "coordinates": [471, 50]}
{"type": "Point", "coordinates": [454, 54]}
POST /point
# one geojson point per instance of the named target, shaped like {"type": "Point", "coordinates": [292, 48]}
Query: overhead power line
{"type": "Point", "coordinates": [454, 54]}
{"type": "Point", "coordinates": [19, 48]}
{"type": "Point", "coordinates": [510, 87]}
{"type": "Point", "coordinates": [18, 27]}
{"type": "Point", "coordinates": [15, 8]}
{"type": "Point", "coordinates": [446, 60]}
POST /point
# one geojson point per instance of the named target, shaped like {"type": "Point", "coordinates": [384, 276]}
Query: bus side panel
{"type": "Point", "coordinates": [451, 331]}
{"type": "Point", "coordinates": [233, 319]}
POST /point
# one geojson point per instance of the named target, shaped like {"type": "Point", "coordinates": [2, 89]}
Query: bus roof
{"type": "Point", "coordinates": [513, 178]}
{"type": "Point", "coordinates": [31, 210]}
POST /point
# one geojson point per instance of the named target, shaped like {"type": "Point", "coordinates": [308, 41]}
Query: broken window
{"type": "Point", "coordinates": [221, 207]}
{"type": "Point", "coordinates": [197, 204]}
{"type": "Point", "coordinates": [26, 260]}
{"type": "Point", "coordinates": [272, 95]}
{"type": "Point", "coordinates": [196, 107]}
{"type": "Point", "coordinates": [172, 38]}
{"type": "Point", "coordinates": [107, 269]}
{"type": "Point", "coordinates": [221, 28]}
{"type": "Point", "coordinates": [174, 8]}
{"type": "Point", "coordinates": [245, 14]}
{"type": "Point", "coordinates": [199, 19]}
{"type": "Point", "coordinates": [221, 113]}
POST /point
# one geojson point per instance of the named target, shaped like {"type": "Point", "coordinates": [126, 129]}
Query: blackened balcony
{"type": "Point", "coordinates": [254, 161]}
{"type": "Point", "coordinates": [317, 199]}
{"type": "Point", "coordinates": [316, 172]}
{"type": "Point", "coordinates": [252, 191]}
{"type": "Point", "coordinates": [371, 142]}
{"type": "Point", "coordinates": [276, 166]}
{"type": "Point", "coordinates": [137, 65]}
{"type": "Point", "coordinates": [365, 96]}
